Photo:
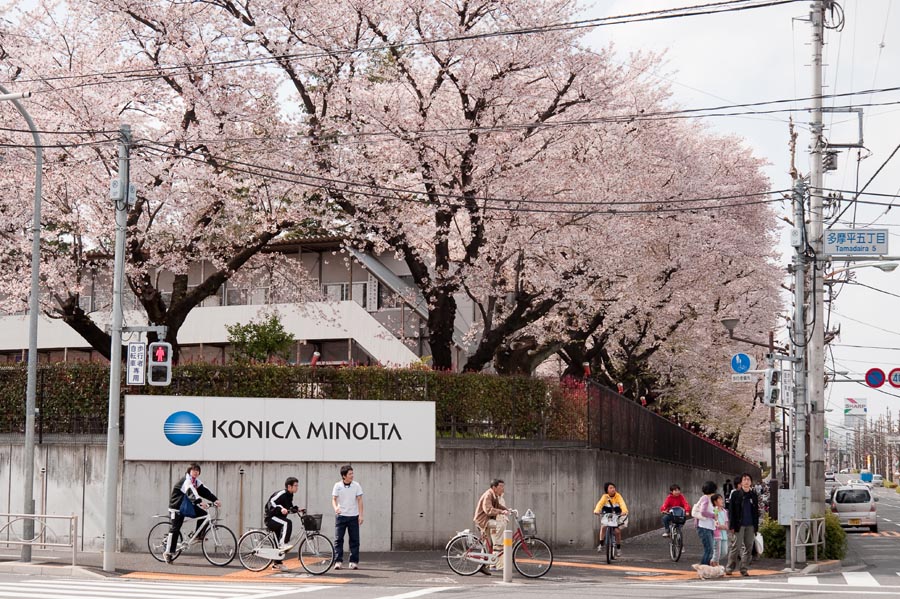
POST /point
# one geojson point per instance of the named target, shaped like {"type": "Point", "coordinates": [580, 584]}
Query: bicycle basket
{"type": "Point", "coordinates": [312, 522]}
{"type": "Point", "coordinates": [678, 516]}
{"type": "Point", "coordinates": [527, 522]}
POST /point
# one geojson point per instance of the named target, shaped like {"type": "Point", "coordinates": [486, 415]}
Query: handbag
{"type": "Point", "coordinates": [758, 542]}
{"type": "Point", "coordinates": [187, 508]}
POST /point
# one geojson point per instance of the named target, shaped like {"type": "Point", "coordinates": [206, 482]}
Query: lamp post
{"type": "Point", "coordinates": [730, 324]}
{"type": "Point", "coordinates": [34, 303]}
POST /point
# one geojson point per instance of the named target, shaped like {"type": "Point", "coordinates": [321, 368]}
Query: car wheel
{"type": "Point", "coordinates": [874, 528]}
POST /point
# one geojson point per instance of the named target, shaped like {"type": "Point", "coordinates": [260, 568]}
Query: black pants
{"type": "Point", "coordinates": [281, 526]}
{"type": "Point", "coordinates": [176, 519]}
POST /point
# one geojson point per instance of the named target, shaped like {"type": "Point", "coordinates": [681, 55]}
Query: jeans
{"type": "Point", "coordinates": [667, 518]}
{"type": "Point", "coordinates": [351, 525]}
{"type": "Point", "coordinates": [706, 538]}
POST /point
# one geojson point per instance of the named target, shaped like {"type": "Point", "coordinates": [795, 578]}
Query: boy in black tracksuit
{"type": "Point", "coordinates": [196, 492]}
{"type": "Point", "coordinates": [278, 506]}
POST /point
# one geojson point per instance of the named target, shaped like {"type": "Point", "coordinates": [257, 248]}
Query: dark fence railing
{"type": "Point", "coordinates": [616, 423]}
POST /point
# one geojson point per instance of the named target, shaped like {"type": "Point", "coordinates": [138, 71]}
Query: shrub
{"type": "Point", "coordinates": [890, 485]}
{"type": "Point", "coordinates": [775, 538]}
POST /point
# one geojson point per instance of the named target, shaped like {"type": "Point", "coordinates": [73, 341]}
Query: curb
{"type": "Point", "coordinates": [48, 570]}
{"type": "Point", "coordinates": [832, 565]}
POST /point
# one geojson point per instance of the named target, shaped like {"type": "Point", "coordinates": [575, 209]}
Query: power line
{"type": "Point", "coordinates": [668, 13]}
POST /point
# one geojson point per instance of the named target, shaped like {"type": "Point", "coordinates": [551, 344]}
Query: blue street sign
{"type": "Point", "coordinates": [741, 363]}
{"type": "Point", "coordinates": [875, 377]}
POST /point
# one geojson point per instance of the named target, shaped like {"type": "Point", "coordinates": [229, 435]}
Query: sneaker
{"type": "Point", "coordinates": [338, 565]}
{"type": "Point", "coordinates": [484, 570]}
{"type": "Point", "coordinates": [728, 572]}
{"type": "Point", "coordinates": [665, 535]}
{"type": "Point", "coordinates": [278, 566]}
{"type": "Point", "coordinates": [745, 573]}
{"type": "Point", "coordinates": [168, 557]}
{"type": "Point", "coordinates": [618, 552]}
{"type": "Point", "coordinates": [600, 548]}
{"type": "Point", "coordinates": [353, 566]}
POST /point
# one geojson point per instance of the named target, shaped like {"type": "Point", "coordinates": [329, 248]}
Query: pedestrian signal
{"type": "Point", "coordinates": [159, 365]}
{"type": "Point", "coordinates": [771, 390]}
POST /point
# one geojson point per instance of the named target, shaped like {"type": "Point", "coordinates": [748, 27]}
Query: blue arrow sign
{"type": "Point", "coordinates": [741, 363]}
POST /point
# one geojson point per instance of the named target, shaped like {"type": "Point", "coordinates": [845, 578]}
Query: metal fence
{"type": "Point", "coordinates": [616, 423]}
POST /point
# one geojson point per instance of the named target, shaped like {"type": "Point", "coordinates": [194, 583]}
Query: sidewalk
{"type": "Point", "coordinates": [644, 558]}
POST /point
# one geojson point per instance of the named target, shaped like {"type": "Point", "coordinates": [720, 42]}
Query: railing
{"type": "Point", "coordinates": [39, 536]}
{"type": "Point", "coordinates": [618, 424]}
{"type": "Point", "coordinates": [807, 532]}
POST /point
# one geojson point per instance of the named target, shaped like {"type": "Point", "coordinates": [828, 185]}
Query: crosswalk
{"type": "Point", "coordinates": [135, 589]}
{"type": "Point", "coordinates": [858, 580]}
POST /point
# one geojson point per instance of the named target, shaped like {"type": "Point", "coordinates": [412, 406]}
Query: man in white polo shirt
{"type": "Point", "coordinates": [347, 501]}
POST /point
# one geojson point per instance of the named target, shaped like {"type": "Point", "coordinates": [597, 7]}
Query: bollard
{"type": "Point", "coordinates": [507, 555]}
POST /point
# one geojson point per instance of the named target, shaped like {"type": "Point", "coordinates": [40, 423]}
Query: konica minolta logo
{"type": "Point", "coordinates": [183, 428]}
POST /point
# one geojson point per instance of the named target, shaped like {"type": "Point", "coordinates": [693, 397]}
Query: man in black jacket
{"type": "Point", "coordinates": [194, 489]}
{"type": "Point", "coordinates": [278, 506]}
{"type": "Point", "coordinates": [743, 521]}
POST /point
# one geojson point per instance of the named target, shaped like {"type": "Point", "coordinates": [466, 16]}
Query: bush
{"type": "Point", "coordinates": [890, 485]}
{"type": "Point", "coordinates": [775, 538]}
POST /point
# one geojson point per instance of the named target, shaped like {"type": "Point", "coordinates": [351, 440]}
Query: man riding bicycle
{"type": "Point", "coordinates": [491, 516]}
{"type": "Point", "coordinates": [611, 502]}
{"type": "Point", "coordinates": [196, 493]}
{"type": "Point", "coordinates": [278, 506]}
{"type": "Point", "coordinates": [674, 500]}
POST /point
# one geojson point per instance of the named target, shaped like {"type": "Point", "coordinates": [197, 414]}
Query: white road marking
{"type": "Point", "coordinates": [802, 580]}
{"type": "Point", "coordinates": [129, 589]}
{"type": "Point", "coordinates": [418, 593]}
{"type": "Point", "coordinates": [860, 579]}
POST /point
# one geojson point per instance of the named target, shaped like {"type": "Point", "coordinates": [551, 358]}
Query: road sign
{"type": "Point", "coordinates": [894, 377]}
{"type": "Point", "coordinates": [137, 363]}
{"type": "Point", "coordinates": [741, 363]}
{"type": "Point", "coordinates": [741, 378]}
{"type": "Point", "coordinates": [856, 242]}
{"type": "Point", "coordinates": [875, 377]}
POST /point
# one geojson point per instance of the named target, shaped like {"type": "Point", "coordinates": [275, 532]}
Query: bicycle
{"type": "Point", "coordinates": [219, 544]}
{"type": "Point", "coordinates": [258, 548]}
{"type": "Point", "coordinates": [531, 556]}
{"type": "Point", "coordinates": [611, 521]}
{"type": "Point", "coordinates": [677, 519]}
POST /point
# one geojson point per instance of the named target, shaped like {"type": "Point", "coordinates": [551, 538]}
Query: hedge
{"type": "Point", "coordinates": [73, 398]}
{"type": "Point", "coordinates": [775, 536]}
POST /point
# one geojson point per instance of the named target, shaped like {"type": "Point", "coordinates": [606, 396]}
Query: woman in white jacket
{"type": "Point", "coordinates": [706, 520]}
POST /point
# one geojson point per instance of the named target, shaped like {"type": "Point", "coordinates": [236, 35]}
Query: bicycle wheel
{"type": "Point", "coordinates": [251, 542]}
{"type": "Point", "coordinates": [219, 545]}
{"type": "Point", "coordinates": [532, 557]}
{"type": "Point", "coordinates": [156, 541]}
{"type": "Point", "coordinates": [316, 553]}
{"type": "Point", "coordinates": [610, 545]}
{"type": "Point", "coordinates": [463, 555]}
{"type": "Point", "coordinates": [676, 544]}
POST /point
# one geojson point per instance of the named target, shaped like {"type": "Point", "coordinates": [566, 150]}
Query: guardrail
{"type": "Point", "coordinates": [807, 532]}
{"type": "Point", "coordinates": [39, 534]}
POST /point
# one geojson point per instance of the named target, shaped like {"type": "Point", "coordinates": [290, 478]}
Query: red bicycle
{"type": "Point", "coordinates": [468, 553]}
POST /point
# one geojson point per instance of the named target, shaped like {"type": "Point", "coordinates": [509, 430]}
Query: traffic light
{"type": "Point", "coordinates": [771, 390]}
{"type": "Point", "coordinates": [159, 367]}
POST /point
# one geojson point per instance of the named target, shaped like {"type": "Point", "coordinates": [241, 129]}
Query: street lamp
{"type": "Point", "coordinates": [34, 305]}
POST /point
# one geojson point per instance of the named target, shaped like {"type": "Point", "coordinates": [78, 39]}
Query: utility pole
{"type": "Point", "coordinates": [816, 353]}
{"type": "Point", "coordinates": [120, 195]}
{"type": "Point", "coordinates": [799, 485]}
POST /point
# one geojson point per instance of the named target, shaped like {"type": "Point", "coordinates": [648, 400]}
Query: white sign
{"type": "Point", "coordinates": [741, 378]}
{"type": "Point", "coordinates": [855, 407]}
{"type": "Point", "coordinates": [856, 242]}
{"type": "Point", "coordinates": [210, 429]}
{"type": "Point", "coordinates": [136, 367]}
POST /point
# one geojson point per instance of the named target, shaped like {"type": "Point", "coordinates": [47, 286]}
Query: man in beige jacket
{"type": "Point", "coordinates": [491, 516]}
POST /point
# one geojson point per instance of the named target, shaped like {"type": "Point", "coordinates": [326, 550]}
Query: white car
{"type": "Point", "coordinates": [877, 480]}
{"type": "Point", "coordinates": [854, 506]}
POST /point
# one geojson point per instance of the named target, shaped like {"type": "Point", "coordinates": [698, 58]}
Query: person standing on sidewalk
{"type": "Point", "coordinates": [347, 501]}
{"type": "Point", "coordinates": [706, 521]}
{"type": "Point", "coordinates": [743, 520]}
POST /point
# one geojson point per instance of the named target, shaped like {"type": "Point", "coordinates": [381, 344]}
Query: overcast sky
{"type": "Point", "coordinates": [764, 54]}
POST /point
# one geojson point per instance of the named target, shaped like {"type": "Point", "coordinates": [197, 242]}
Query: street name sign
{"type": "Point", "coordinates": [856, 242]}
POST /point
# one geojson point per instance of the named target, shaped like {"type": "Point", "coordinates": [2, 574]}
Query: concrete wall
{"type": "Point", "coordinates": [408, 505]}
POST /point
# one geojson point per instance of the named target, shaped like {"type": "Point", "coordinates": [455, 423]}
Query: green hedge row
{"type": "Point", "coordinates": [466, 404]}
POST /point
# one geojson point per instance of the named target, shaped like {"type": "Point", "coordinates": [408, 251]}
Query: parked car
{"type": "Point", "coordinates": [877, 480]}
{"type": "Point", "coordinates": [854, 505]}
{"type": "Point", "coordinates": [844, 471]}
{"type": "Point", "coordinates": [829, 475]}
